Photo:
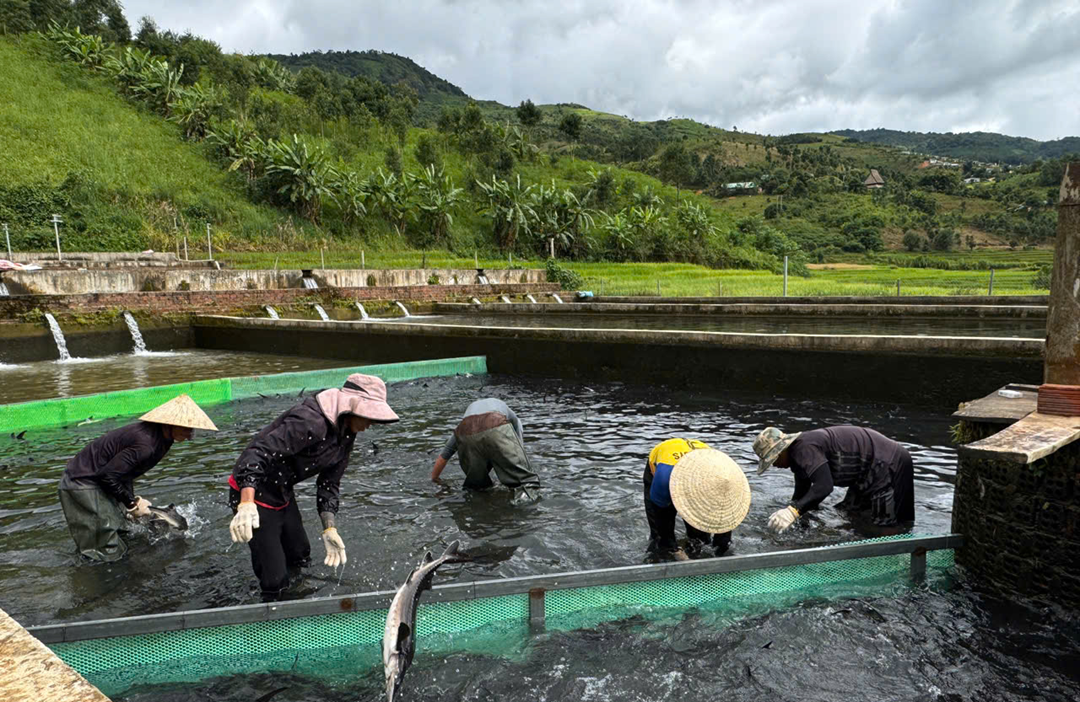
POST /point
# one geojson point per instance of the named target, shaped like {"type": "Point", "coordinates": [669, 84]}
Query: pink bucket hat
{"type": "Point", "coordinates": [362, 395]}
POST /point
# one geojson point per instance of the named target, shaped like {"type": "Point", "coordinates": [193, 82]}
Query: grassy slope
{"type": "Point", "coordinates": [57, 118]}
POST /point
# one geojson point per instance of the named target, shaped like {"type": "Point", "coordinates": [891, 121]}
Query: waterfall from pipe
{"type": "Point", "coordinates": [505, 299]}
{"type": "Point", "coordinates": [272, 312]}
{"type": "Point", "coordinates": [322, 313]}
{"type": "Point", "coordinates": [58, 337]}
{"type": "Point", "coordinates": [405, 311]}
{"type": "Point", "coordinates": [531, 299]}
{"type": "Point", "coordinates": [475, 301]}
{"type": "Point", "coordinates": [310, 284]}
{"type": "Point", "coordinates": [363, 312]}
{"type": "Point", "coordinates": [136, 335]}
{"type": "Point", "coordinates": [557, 298]}
{"type": "Point", "coordinates": [3, 290]}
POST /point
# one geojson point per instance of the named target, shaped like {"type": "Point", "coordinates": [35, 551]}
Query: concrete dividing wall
{"type": "Point", "coordinates": [25, 343]}
{"type": "Point", "coordinates": [842, 300]}
{"type": "Point", "coordinates": [208, 301]}
{"type": "Point", "coordinates": [928, 371]}
{"type": "Point", "coordinates": [79, 282]}
{"type": "Point", "coordinates": [886, 310]}
{"type": "Point", "coordinates": [102, 260]}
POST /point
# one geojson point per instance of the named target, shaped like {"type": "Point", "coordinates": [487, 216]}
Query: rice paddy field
{"type": "Point", "coordinates": [686, 279]}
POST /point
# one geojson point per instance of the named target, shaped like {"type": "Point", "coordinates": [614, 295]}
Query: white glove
{"type": "Point", "coordinates": [782, 519]}
{"type": "Point", "coordinates": [335, 548]}
{"type": "Point", "coordinates": [141, 508]}
{"type": "Point", "coordinates": [244, 523]}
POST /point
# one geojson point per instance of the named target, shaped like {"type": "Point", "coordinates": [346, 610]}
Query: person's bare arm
{"type": "Point", "coordinates": [437, 470]}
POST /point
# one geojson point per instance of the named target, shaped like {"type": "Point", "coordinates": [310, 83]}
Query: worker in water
{"type": "Point", "coordinates": [705, 487]}
{"type": "Point", "coordinates": [876, 470]}
{"type": "Point", "coordinates": [489, 436]}
{"type": "Point", "coordinates": [313, 438]}
{"type": "Point", "coordinates": [96, 490]}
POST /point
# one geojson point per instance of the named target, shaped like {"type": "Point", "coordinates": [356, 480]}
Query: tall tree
{"type": "Point", "coordinates": [676, 165]}
{"type": "Point", "coordinates": [529, 114]}
{"type": "Point", "coordinates": [571, 126]}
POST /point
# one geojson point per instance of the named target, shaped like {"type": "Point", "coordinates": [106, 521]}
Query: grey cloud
{"type": "Point", "coordinates": [771, 66]}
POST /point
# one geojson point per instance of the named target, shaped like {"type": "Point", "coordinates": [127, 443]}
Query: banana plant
{"type": "Point", "coordinates": [352, 195]}
{"type": "Point", "coordinates": [305, 174]}
{"type": "Point", "coordinates": [194, 108]}
{"type": "Point", "coordinates": [159, 84]}
{"type": "Point", "coordinates": [510, 209]}
{"type": "Point", "coordinates": [392, 196]}
{"type": "Point", "coordinates": [436, 199]}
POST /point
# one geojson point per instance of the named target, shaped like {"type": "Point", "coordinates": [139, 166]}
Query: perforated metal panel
{"type": "Point", "coordinates": [349, 643]}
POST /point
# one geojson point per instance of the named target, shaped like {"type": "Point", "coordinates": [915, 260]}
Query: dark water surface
{"type": "Point", "coordinates": [921, 646]}
{"type": "Point", "coordinates": [587, 442]}
{"type": "Point", "coordinates": [42, 380]}
{"type": "Point", "coordinates": [912, 326]}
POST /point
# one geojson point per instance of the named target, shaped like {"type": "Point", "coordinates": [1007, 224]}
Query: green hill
{"type": "Point", "coordinates": [987, 147]}
{"type": "Point", "coordinates": [382, 66]}
{"type": "Point", "coordinates": [121, 178]}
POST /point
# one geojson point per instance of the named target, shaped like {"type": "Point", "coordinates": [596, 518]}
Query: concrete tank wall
{"type": "Point", "coordinates": [86, 281]}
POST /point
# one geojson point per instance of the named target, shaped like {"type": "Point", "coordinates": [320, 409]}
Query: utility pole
{"type": "Point", "coordinates": [7, 235]}
{"type": "Point", "coordinates": [56, 228]}
{"type": "Point", "coordinates": [209, 244]}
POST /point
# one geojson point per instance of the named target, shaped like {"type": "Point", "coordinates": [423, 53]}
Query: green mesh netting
{"type": "Point", "coordinates": [348, 644]}
{"type": "Point", "coordinates": [251, 386]}
{"type": "Point", "coordinates": [127, 403]}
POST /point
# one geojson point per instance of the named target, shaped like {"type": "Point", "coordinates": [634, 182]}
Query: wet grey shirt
{"type": "Point", "coordinates": [488, 404]}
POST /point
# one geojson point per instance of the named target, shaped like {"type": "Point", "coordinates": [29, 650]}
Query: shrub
{"type": "Point", "coordinates": [566, 278]}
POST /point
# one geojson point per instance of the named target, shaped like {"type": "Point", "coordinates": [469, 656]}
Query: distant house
{"type": "Point", "coordinates": [748, 185]}
{"type": "Point", "coordinates": [874, 180]}
{"type": "Point", "coordinates": [969, 181]}
{"type": "Point", "coordinates": [924, 164]}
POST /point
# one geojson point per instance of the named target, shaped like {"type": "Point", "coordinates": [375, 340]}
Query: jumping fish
{"type": "Point", "coordinates": [399, 642]}
{"type": "Point", "coordinates": [162, 519]}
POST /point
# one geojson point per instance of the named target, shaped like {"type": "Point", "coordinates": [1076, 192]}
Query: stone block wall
{"type": "Point", "coordinates": [1021, 523]}
{"type": "Point", "coordinates": [218, 301]}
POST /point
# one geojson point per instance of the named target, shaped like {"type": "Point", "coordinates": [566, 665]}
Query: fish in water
{"type": "Point", "coordinates": [163, 519]}
{"type": "Point", "coordinates": [399, 642]}
{"type": "Point", "coordinates": [20, 436]}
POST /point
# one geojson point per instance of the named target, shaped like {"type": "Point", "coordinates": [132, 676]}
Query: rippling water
{"type": "Point", "coordinates": [588, 442]}
{"type": "Point", "coordinates": [85, 376]}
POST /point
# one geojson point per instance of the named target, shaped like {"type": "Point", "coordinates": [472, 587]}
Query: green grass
{"type": "Point", "coordinates": [675, 279]}
{"type": "Point", "coordinates": [57, 118]}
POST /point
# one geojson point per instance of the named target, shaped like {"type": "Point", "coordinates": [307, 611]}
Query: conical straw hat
{"type": "Point", "coordinates": [710, 491]}
{"type": "Point", "coordinates": [180, 412]}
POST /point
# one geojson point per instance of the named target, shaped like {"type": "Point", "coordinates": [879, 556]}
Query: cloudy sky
{"type": "Point", "coordinates": [768, 66]}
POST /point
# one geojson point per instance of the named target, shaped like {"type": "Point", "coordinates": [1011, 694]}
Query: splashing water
{"type": "Point", "coordinates": [402, 307]}
{"type": "Point", "coordinates": [505, 299]}
{"type": "Point", "coordinates": [476, 301]}
{"type": "Point", "coordinates": [136, 335]}
{"type": "Point", "coordinates": [531, 299]}
{"type": "Point", "coordinates": [322, 313]}
{"type": "Point", "coordinates": [310, 284]}
{"type": "Point", "coordinates": [3, 290]}
{"type": "Point", "coordinates": [58, 337]}
{"type": "Point", "coordinates": [272, 312]}
{"type": "Point", "coordinates": [363, 312]}
{"type": "Point", "coordinates": [557, 298]}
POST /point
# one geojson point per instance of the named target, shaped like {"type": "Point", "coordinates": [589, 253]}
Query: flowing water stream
{"type": "Point", "coordinates": [136, 335]}
{"type": "Point", "coordinates": [272, 312]}
{"type": "Point", "coordinates": [322, 313]}
{"type": "Point", "coordinates": [58, 337]}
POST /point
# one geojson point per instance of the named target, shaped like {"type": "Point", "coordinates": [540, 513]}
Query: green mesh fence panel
{"type": "Point", "coordinates": [349, 644]}
{"type": "Point", "coordinates": [390, 372]}
{"type": "Point", "coordinates": [126, 403]}
{"type": "Point", "coordinates": [120, 403]}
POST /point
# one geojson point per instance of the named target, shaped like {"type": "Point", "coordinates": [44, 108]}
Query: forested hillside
{"type": "Point", "coordinates": [137, 138]}
{"type": "Point", "coordinates": [969, 146]}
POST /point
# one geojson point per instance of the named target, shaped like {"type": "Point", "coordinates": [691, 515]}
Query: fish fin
{"type": "Point", "coordinates": [267, 696]}
{"type": "Point", "coordinates": [428, 558]}
{"type": "Point", "coordinates": [403, 633]}
{"type": "Point", "coordinates": [21, 435]}
{"type": "Point", "coordinates": [452, 553]}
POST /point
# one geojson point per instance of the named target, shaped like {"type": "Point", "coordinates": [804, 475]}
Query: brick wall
{"type": "Point", "coordinates": [1021, 524]}
{"type": "Point", "coordinates": [219, 301]}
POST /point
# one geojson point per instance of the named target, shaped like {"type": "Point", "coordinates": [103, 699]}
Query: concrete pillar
{"type": "Point", "coordinates": [1063, 320]}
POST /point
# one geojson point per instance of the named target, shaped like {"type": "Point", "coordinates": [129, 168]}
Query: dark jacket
{"type": "Point", "coordinates": [114, 460]}
{"type": "Point", "coordinates": [297, 445]}
{"type": "Point", "coordinates": [842, 456]}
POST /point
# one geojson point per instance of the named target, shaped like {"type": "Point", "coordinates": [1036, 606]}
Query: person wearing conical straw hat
{"type": "Point", "coordinates": [687, 478]}
{"type": "Point", "coordinates": [877, 472]}
{"type": "Point", "coordinates": [313, 438]}
{"type": "Point", "coordinates": [96, 490]}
